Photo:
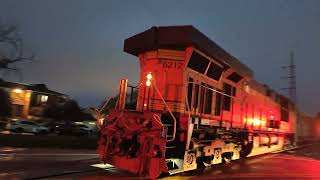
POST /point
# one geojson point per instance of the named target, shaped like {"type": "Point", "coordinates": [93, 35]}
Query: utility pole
{"type": "Point", "coordinates": [292, 88]}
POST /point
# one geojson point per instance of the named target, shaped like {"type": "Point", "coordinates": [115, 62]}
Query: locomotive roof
{"type": "Point", "coordinates": [180, 37]}
{"type": "Point", "coordinates": [263, 88]}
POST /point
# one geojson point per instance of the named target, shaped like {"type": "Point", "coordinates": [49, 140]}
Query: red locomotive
{"type": "Point", "coordinates": [195, 106]}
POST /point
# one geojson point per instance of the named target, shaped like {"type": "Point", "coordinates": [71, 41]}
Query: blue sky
{"type": "Point", "coordinates": [79, 43]}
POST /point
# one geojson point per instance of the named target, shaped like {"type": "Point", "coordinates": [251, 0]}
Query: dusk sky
{"type": "Point", "coordinates": [79, 43]}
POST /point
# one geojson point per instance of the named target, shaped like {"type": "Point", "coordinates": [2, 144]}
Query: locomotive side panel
{"type": "Point", "coordinates": [246, 105]}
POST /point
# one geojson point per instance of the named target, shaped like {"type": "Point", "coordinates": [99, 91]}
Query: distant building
{"type": "Point", "coordinates": [317, 125]}
{"type": "Point", "coordinates": [304, 126]}
{"type": "Point", "coordinates": [308, 127]}
{"type": "Point", "coordinates": [30, 99]}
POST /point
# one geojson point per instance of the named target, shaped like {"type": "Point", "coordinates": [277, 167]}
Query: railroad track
{"type": "Point", "coordinates": [70, 173]}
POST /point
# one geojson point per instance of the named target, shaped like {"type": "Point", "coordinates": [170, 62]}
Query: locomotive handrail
{"type": "Point", "coordinates": [213, 90]}
{"type": "Point", "coordinates": [104, 105]}
{"type": "Point", "coordinates": [158, 119]}
{"type": "Point", "coordinates": [189, 115]}
{"type": "Point", "coordinates": [174, 119]}
{"type": "Point", "coordinates": [172, 104]}
{"type": "Point", "coordinates": [132, 102]}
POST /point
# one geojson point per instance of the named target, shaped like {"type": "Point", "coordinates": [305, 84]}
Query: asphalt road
{"type": "Point", "coordinates": [26, 163]}
{"type": "Point", "coordinates": [51, 164]}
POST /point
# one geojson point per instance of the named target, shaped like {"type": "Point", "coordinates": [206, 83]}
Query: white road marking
{"type": "Point", "coordinates": [102, 166]}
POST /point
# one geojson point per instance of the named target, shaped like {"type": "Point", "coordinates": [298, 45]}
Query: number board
{"type": "Point", "coordinates": [172, 64]}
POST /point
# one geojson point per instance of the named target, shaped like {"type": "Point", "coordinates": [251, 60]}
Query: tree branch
{"type": "Point", "coordinates": [11, 43]}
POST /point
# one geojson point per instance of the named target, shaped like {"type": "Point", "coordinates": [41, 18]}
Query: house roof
{"type": "Point", "coordinates": [33, 87]}
{"type": "Point", "coordinates": [180, 37]}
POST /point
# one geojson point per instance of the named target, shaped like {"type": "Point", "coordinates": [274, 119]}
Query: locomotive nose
{"type": "Point", "coordinates": [133, 142]}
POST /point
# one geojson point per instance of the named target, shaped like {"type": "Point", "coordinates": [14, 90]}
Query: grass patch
{"type": "Point", "coordinates": [65, 142]}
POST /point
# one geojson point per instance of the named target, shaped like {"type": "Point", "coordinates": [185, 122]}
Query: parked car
{"type": "Point", "coordinates": [81, 129]}
{"type": "Point", "coordinates": [20, 126]}
{"type": "Point", "coordinates": [74, 129]}
{"type": "Point", "coordinates": [52, 125]}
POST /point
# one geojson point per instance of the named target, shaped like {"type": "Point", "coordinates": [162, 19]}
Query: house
{"type": "Point", "coordinates": [90, 113]}
{"type": "Point", "coordinates": [29, 100]}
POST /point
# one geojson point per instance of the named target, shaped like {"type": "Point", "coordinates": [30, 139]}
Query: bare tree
{"type": "Point", "coordinates": [11, 48]}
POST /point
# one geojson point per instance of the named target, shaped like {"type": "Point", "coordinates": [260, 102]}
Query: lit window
{"type": "Point", "coordinates": [44, 98]}
{"type": "Point", "coordinates": [17, 90]}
